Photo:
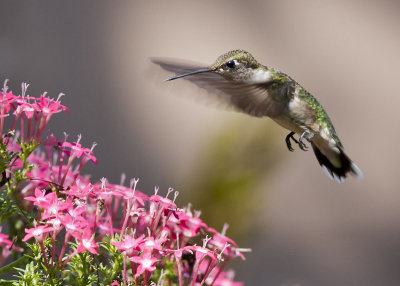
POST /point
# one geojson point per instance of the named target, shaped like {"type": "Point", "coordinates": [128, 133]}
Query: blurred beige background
{"type": "Point", "coordinates": [310, 230]}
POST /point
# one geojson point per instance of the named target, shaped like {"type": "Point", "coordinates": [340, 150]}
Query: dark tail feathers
{"type": "Point", "coordinates": [337, 173]}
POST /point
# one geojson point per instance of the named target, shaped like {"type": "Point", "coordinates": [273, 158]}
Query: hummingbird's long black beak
{"type": "Point", "coordinates": [189, 73]}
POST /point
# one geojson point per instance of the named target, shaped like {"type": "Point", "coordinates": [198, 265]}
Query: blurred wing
{"type": "Point", "coordinates": [248, 98]}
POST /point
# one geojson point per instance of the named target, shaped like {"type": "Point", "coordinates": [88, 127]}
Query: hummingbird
{"type": "Point", "coordinates": [239, 80]}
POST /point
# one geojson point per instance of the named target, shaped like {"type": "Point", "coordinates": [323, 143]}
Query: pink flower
{"type": "Point", "coordinates": [152, 243]}
{"type": "Point", "coordinates": [79, 151]}
{"type": "Point", "coordinates": [56, 224]}
{"type": "Point", "coordinates": [46, 107]}
{"type": "Point", "coordinates": [80, 191]}
{"type": "Point", "coordinates": [77, 212]}
{"type": "Point", "coordinates": [24, 107]}
{"type": "Point", "coordinates": [165, 202]}
{"type": "Point", "coordinates": [73, 224]}
{"type": "Point", "coordinates": [201, 252]}
{"type": "Point", "coordinates": [145, 261]}
{"type": "Point", "coordinates": [50, 143]}
{"type": "Point", "coordinates": [49, 106]}
{"type": "Point", "coordinates": [220, 240]}
{"type": "Point", "coordinates": [39, 198]}
{"type": "Point", "coordinates": [130, 192]}
{"type": "Point", "coordinates": [129, 245]}
{"type": "Point", "coordinates": [104, 191]}
{"type": "Point", "coordinates": [6, 100]}
{"type": "Point", "coordinates": [190, 225]}
{"type": "Point", "coordinates": [4, 241]}
{"type": "Point", "coordinates": [38, 232]}
{"type": "Point", "coordinates": [86, 241]}
{"type": "Point", "coordinates": [53, 205]}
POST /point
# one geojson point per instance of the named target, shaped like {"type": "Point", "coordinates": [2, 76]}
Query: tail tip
{"type": "Point", "coordinates": [339, 178]}
{"type": "Point", "coordinates": [356, 171]}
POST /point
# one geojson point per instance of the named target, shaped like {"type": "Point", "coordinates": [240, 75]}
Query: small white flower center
{"type": "Point", "coordinates": [37, 232]}
{"type": "Point", "coordinates": [86, 243]}
{"type": "Point", "coordinates": [146, 263]}
{"type": "Point", "coordinates": [150, 243]}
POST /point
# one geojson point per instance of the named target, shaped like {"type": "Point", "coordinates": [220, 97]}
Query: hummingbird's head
{"type": "Point", "coordinates": [237, 65]}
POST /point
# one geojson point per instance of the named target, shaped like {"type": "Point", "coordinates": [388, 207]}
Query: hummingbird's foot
{"type": "Point", "coordinates": [288, 144]}
{"type": "Point", "coordinates": [305, 135]}
{"type": "Point", "coordinates": [303, 146]}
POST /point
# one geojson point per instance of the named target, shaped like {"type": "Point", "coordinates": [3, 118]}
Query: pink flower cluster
{"type": "Point", "coordinates": [150, 231]}
{"type": "Point", "coordinates": [37, 111]}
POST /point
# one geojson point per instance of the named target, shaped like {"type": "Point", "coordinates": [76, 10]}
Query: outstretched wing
{"type": "Point", "coordinates": [252, 99]}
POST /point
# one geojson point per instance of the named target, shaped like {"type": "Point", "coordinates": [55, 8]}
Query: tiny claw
{"type": "Point", "coordinates": [308, 136]}
{"type": "Point", "coordinates": [288, 144]}
{"type": "Point", "coordinates": [303, 146]}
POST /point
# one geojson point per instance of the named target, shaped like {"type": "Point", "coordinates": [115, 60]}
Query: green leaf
{"type": "Point", "coordinates": [7, 208]}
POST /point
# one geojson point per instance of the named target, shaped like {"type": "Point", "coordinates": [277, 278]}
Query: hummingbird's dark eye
{"type": "Point", "coordinates": [230, 64]}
